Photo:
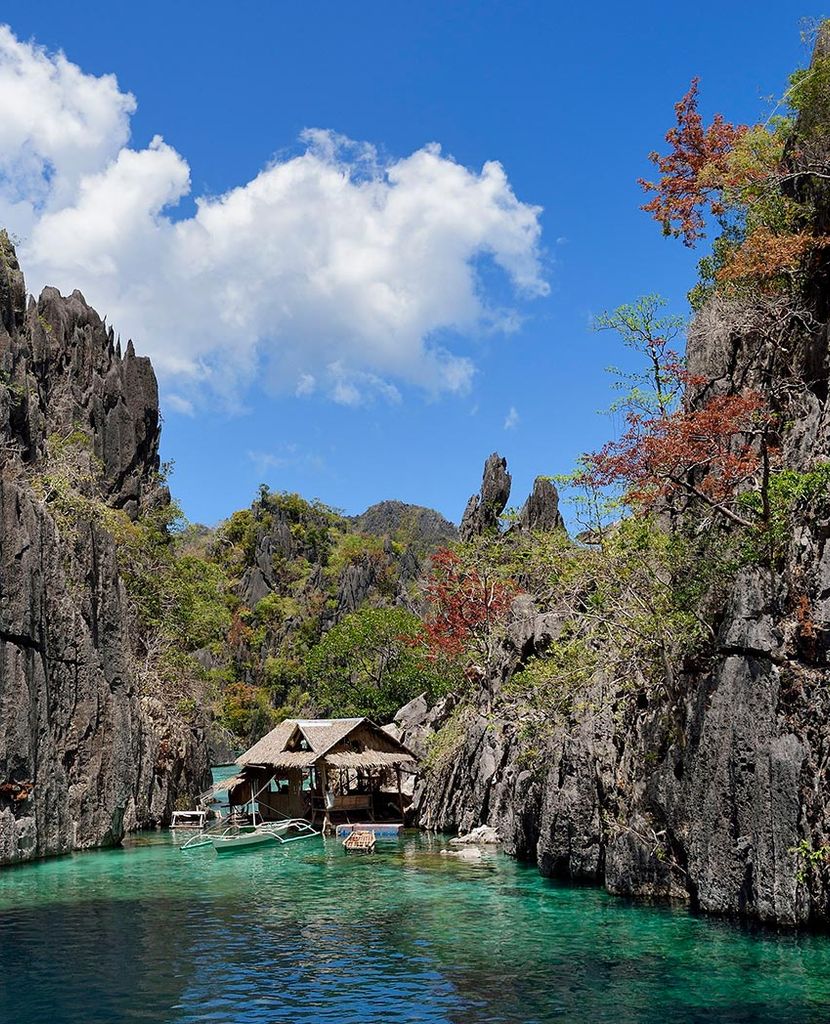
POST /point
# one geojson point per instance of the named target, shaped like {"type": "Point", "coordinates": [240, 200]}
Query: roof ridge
{"type": "Point", "coordinates": [339, 739]}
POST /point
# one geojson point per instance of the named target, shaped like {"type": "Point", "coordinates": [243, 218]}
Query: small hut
{"type": "Point", "coordinates": [333, 769]}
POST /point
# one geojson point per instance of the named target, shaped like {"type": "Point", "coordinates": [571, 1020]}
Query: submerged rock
{"type": "Point", "coordinates": [463, 853]}
{"type": "Point", "coordinates": [484, 835]}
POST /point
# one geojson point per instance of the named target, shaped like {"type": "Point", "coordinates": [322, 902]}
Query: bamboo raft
{"type": "Point", "coordinates": [364, 842]}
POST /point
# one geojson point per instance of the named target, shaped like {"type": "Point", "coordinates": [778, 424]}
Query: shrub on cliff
{"type": "Point", "coordinates": [179, 601]}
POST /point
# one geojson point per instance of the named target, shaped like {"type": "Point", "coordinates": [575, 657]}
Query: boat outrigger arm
{"type": "Point", "coordinates": [236, 836]}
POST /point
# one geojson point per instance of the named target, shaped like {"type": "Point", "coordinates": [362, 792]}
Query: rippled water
{"type": "Point", "coordinates": [307, 933]}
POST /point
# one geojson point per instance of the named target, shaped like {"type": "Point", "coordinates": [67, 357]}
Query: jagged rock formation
{"type": "Point", "coordinates": [62, 368]}
{"type": "Point", "coordinates": [726, 784]}
{"type": "Point", "coordinates": [481, 516]}
{"type": "Point", "coordinates": [274, 544]}
{"type": "Point", "coordinates": [298, 568]}
{"type": "Point", "coordinates": [717, 793]}
{"type": "Point", "coordinates": [482, 513]}
{"type": "Point", "coordinates": [416, 529]}
{"type": "Point", "coordinates": [541, 510]}
{"type": "Point", "coordinates": [85, 753]}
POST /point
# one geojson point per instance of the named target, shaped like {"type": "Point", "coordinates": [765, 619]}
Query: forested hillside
{"type": "Point", "coordinates": [316, 613]}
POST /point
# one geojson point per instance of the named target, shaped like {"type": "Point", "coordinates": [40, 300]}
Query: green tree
{"type": "Point", "coordinates": [653, 389]}
{"type": "Point", "coordinates": [371, 663]}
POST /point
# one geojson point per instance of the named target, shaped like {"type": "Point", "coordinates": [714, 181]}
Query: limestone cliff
{"type": "Point", "coordinates": [86, 751]}
{"type": "Point", "coordinates": [712, 785]}
{"type": "Point", "coordinates": [713, 790]}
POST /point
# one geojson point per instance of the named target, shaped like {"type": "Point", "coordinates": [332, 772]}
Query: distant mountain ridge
{"type": "Point", "coordinates": [424, 527]}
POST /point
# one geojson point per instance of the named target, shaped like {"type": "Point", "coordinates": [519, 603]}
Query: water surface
{"type": "Point", "coordinates": [306, 933]}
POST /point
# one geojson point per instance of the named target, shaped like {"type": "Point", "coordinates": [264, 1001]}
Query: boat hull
{"type": "Point", "coordinates": [232, 844]}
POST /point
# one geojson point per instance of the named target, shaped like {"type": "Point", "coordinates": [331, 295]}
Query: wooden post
{"type": "Point", "coordinates": [323, 785]}
{"type": "Point", "coordinates": [400, 794]}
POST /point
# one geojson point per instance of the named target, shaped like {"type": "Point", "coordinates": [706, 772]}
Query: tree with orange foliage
{"type": "Point", "coordinates": [708, 454]}
{"type": "Point", "coordinates": [694, 172]}
{"type": "Point", "coordinates": [765, 254]}
{"type": "Point", "coordinates": [752, 180]}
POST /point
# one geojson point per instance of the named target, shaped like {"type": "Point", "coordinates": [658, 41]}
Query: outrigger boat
{"type": "Point", "coordinates": [243, 837]}
{"type": "Point", "coordinates": [243, 832]}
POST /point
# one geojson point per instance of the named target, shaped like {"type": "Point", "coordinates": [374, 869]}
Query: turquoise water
{"type": "Point", "coordinates": [307, 933]}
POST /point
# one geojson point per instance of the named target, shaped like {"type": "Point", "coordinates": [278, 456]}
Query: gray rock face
{"type": "Point", "coordinates": [64, 372]}
{"type": "Point", "coordinates": [716, 793]}
{"type": "Point", "coordinates": [223, 746]}
{"type": "Point", "coordinates": [707, 801]}
{"type": "Point", "coordinates": [399, 540]}
{"type": "Point", "coordinates": [357, 581]}
{"type": "Point", "coordinates": [86, 751]}
{"type": "Point", "coordinates": [482, 513]}
{"type": "Point", "coordinates": [422, 528]}
{"type": "Point", "coordinates": [541, 510]}
{"type": "Point", "coordinates": [274, 544]}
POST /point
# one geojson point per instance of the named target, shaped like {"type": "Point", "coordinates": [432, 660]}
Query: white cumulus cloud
{"type": "Point", "coordinates": [332, 271]}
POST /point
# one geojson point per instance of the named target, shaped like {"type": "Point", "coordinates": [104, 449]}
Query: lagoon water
{"type": "Point", "coordinates": [307, 933]}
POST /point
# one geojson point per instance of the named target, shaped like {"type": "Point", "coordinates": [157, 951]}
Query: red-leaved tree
{"type": "Point", "coordinates": [710, 454]}
{"type": "Point", "coordinates": [694, 171]}
{"type": "Point", "coordinates": [467, 609]}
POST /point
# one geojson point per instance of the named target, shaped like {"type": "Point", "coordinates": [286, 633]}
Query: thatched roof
{"type": "Point", "coordinates": [226, 784]}
{"type": "Point", "coordinates": [369, 759]}
{"type": "Point", "coordinates": [264, 750]}
{"type": "Point", "coordinates": [301, 743]}
{"type": "Point", "coordinates": [220, 787]}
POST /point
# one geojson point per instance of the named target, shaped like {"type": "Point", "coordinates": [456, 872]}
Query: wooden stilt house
{"type": "Point", "coordinates": [326, 770]}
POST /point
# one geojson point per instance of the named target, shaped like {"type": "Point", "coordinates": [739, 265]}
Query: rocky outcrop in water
{"type": "Point", "coordinates": [709, 801]}
{"type": "Point", "coordinates": [86, 752]}
{"type": "Point", "coordinates": [713, 786]}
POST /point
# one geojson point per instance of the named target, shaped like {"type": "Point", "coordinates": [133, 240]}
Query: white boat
{"type": "Point", "coordinates": [243, 832]}
{"type": "Point", "coordinates": [243, 837]}
{"type": "Point", "coordinates": [227, 842]}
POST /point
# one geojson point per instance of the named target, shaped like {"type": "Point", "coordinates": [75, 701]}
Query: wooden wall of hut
{"type": "Point", "coordinates": [282, 796]}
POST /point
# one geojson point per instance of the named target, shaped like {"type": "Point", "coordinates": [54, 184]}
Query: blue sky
{"type": "Point", "coordinates": [568, 98]}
